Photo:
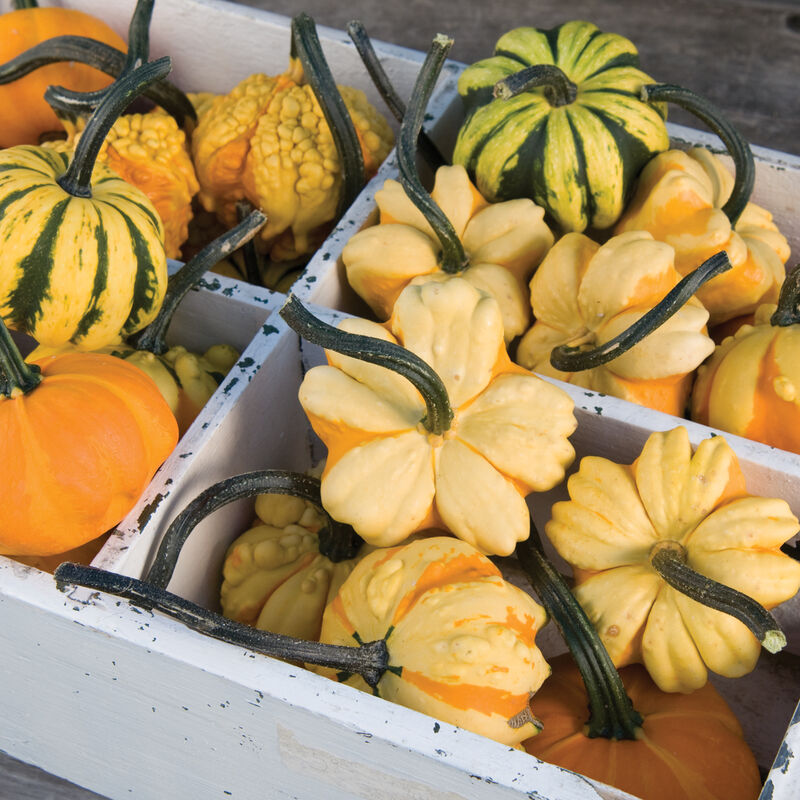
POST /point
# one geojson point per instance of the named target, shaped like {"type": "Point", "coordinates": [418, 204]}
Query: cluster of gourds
{"type": "Point", "coordinates": [565, 202]}
{"type": "Point", "coordinates": [88, 222]}
{"type": "Point", "coordinates": [435, 437]}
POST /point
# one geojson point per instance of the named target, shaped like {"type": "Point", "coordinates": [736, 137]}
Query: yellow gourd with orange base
{"type": "Point", "coordinates": [453, 435]}
{"type": "Point", "coordinates": [683, 199]}
{"type": "Point", "coordinates": [653, 543]}
{"type": "Point", "coordinates": [461, 639]}
{"type": "Point", "coordinates": [585, 294]}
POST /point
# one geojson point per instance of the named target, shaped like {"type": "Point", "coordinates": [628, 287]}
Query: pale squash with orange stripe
{"type": "Point", "coordinates": [586, 294]}
{"type": "Point", "coordinates": [388, 476]}
{"type": "Point", "coordinates": [461, 639]}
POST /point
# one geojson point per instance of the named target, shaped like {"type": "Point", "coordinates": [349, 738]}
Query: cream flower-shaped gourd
{"type": "Point", "coordinates": [623, 522]}
{"type": "Point", "coordinates": [679, 198]}
{"type": "Point", "coordinates": [388, 475]}
{"type": "Point", "coordinates": [586, 294]}
{"type": "Point", "coordinates": [461, 639]}
{"type": "Point", "coordinates": [504, 243]}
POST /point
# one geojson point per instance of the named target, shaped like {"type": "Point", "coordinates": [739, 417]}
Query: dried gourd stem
{"type": "Point", "coordinates": [559, 90]}
{"type": "Point", "coordinates": [317, 73]}
{"type": "Point", "coordinates": [738, 148]}
{"type": "Point", "coordinates": [15, 375]}
{"type": "Point", "coordinates": [252, 267]}
{"type": "Point", "coordinates": [788, 310]}
{"type": "Point", "coordinates": [611, 713]}
{"type": "Point", "coordinates": [20, 4]}
{"type": "Point", "coordinates": [576, 359]}
{"type": "Point", "coordinates": [240, 487]}
{"type": "Point", "coordinates": [439, 413]}
{"type": "Point", "coordinates": [369, 660]}
{"type": "Point", "coordinates": [360, 38]}
{"type": "Point", "coordinates": [77, 180]}
{"type": "Point", "coordinates": [668, 559]}
{"type": "Point", "coordinates": [453, 258]}
{"type": "Point", "coordinates": [73, 104]}
{"type": "Point", "coordinates": [103, 57]}
{"type": "Point", "coordinates": [153, 338]}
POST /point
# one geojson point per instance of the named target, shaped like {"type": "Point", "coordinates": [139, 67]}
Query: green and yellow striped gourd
{"type": "Point", "coordinates": [575, 141]}
{"type": "Point", "coordinates": [81, 251]}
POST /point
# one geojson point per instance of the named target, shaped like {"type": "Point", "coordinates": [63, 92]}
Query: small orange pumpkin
{"type": "Point", "coordinates": [81, 436]}
{"type": "Point", "coordinates": [24, 113]}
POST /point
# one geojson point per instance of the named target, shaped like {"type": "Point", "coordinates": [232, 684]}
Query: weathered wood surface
{"type": "Point", "coordinates": [742, 54]}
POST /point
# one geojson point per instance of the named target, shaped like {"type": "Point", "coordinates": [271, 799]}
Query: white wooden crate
{"type": "Point", "coordinates": [129, 703]}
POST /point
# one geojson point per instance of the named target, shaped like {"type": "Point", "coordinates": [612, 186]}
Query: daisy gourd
{"type": "Point", "coordinates": [641, 537]}
{"type": "Point", "coordinates": [460, 452]}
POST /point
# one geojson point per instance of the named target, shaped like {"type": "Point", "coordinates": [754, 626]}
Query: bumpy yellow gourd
{"type": "Point", "coordinates": [267, 140]}
{"type": "Point", "coordinates": [504, 241]}
{"type": "Point", "coordinates": [274, 576]}
{"type": "Point", "coordinates": [461, 640]}
{"type": "Point", "coordinates": [387, 476]}
{"type": "Point", "coordinates": [584, 293]}
{"type": "Point", "coordinates": [678, 199]}
{"type": "Point", "coordinates": [619, 516]}
{"type": "Point", "coordinates": [150, 152]}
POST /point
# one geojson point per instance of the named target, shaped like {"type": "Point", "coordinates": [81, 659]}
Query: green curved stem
{"type": "Point", "coordinates": [317, 73]}
{"type": "Point", "coordinates": [668, 560]}
{"type": "Point", "coordinates": [360, 38]}
{"type": "Point", "coordinates": [453, 258]}
{"type": "Point", "coordinates": [102, 57]}
{"type": "Point", "coordinates": [788, 310]}
{"type": "Point", "coordinates": [611, 713]}
{"type": "Point", "coordinates": [574, 359]}
{"type": "Point", "coordinates": [153, 338]}
{"type": "Point", "coordinates": [559, 90]}
{"type": "Point", "coordinates": [252, 267]}
{"type": "Point", "coordinates": [369, 660]}
{"type": "Point", "coordinates": [736, 144]}
{"type": "Point", "coordinates": [376, 351]}
{"type": "Point", "coordinates": [240, 487]}
{"type": "Point", "coordinates": [20, 4]}
{"type": "Point", "coordinates": [77, 180]}
{"type": "Point", "coordinates": [15, 374]}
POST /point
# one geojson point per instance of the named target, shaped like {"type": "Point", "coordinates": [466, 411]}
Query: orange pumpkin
{"type": "Point", "coordinates": [24, 113]}
{"type": "Point", "coordinates": [80, 441]}
{"type": "Point", "coordinates": [689, 746]}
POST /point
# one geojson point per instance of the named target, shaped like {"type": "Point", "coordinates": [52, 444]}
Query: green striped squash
{"type": "Point", "coordinates": [76, 269]}
{"type": "Point", "coordinates": [575, 153]}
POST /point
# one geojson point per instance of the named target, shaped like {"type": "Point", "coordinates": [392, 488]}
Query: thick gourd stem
{"type": "Point", "coordinates": [559, 90]}
{"type": "Point", "coordinates": [453, 258]}
{"type": "Point", "coordinates": [239, 487]}
{"type": "Point", "coordinates": [369, 660]}
{"type": "Point", "coordinates": [77, 180]}
{"type": "Point", "coordinates": [317, 73]}
{"type": "Point", "coordinates": [738, 148]}
{"type": "Point", "coordinates": [439, 413]}
{"type": "Point", "coordinates": [252, 268]}
{"type": "Point", "coordinates": [15, 375]}
{"type": "Point", "coordinates": [575, 359]}
{"type": "Point", "coordinates": [20, 4]}
{"type": "Point", "coordinates": [71, 104]}
{"type": "Point", "coordinates": [102, 57]}
{"type": "Point", "coordinates": [360, 38]}
{"type": "Point", "coordinates": [153, 338]}
{"type": "Point", "coordinates": [611, 713]}
{"type": "Point", "coordinates": [668, 559]}
{"type": "Point", "coordinates": [788, 310]}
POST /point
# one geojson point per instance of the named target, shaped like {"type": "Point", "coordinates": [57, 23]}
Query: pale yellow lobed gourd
{"type": "Point", "coordinates": [619, 513]}
{"type": "Point", "coordinates": [586, 294]}
{"type": "Point", "coordinates": [504, 242]}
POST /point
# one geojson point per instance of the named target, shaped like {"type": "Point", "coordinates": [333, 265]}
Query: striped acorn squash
{"type": "Point", "coordinates": [575, 142]}
{"type": "Point", "coordinates": [82, 251]}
